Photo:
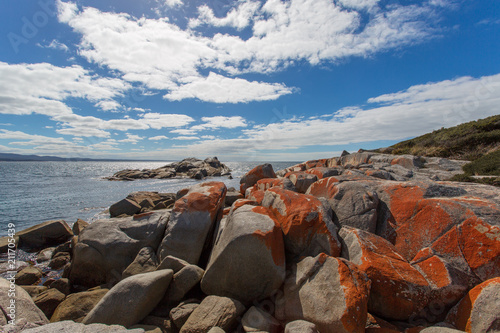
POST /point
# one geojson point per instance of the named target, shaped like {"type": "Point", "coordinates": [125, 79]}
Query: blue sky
{"type": "Point", "coordinates": [267, 80]}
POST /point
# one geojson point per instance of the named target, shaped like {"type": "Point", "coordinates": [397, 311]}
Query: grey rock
{"type": "Point", "coordinates": [435, 329]}
{"type": "Point", "coordinates": [107, 247]}
{"type": "Point", "coordinates": [182, 283]}
{"type": "Point", "coordinates": [180, 314]}
{"type": "Point", "coordinates": [173, 263]}
{"type": "Point", "coordinates": [300, 326]}
{"type": "Point", "coordinates": [28, 275]}
{"type": "Point", "coordinates": [250, 250]}
{"type": "Point", "coordinates": [258, 320]}
{"type": "Point", "coordinates": [302, 181]}
{"type": "Point", "coordinates": [34, 291]}
{"type": "Point", "coordinates": [45, 254]}
{"type": "Point", "coordinates": [62, 285]}
{"type": "Point", "coordinates": [124, 206]}
{"type": "Point", "coordinates": [76, 306]}
{"type": "Point", "coordinates": [216, 330]}
{"type": "Point", "coordinates": [45, 234]}
{"type": "Point", "coordinates": [20, 325]}
{"type": "Point", "coordinates": [355, 204]}
{"type": "Point", "coordinates": [48, 301]}
{"type": "Point", "coordinates": [71, 326]}
{"type": "Point", "coordinates": [145, 261]}
{"type": "Point", "coordinates": [131, 300]}
{"type": "Point", "coordinates": [214, 311]}
{"type": "Point", "coordinates": [24, 307]}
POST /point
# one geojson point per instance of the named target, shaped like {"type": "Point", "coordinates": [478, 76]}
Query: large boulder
{"type": "Point", "coordinates": [330, 292]}
{"type": "Point", "coordinates": [248, 260]}
{"type": "Point", "coordinates": [251, 177]}
{"type": "Point", "coordinates": [399, 291]}
{"type": "Point", "coordinates": [106, 247]}
{"type": "Point", "coordinates": [192, 223]}
{"type": "Point", "coordinates": [131, 300]}
{"type": "Point", "coordinates": [24, 307]}
{"type": "Point", "coordinates": [45, 234]}
{"type": "Point", "coordinates": [183, 281]}
{"type": "Point", "coordinates": [214, 311]}
{"type": "Point", "coordinates": [307, 226]}
{"type": "Point", "coordinates": [70, 326]}
{"type": "Point", "coordinates": [300, 326]}
{"type": "Point", "coordinates": [354, 204]}
{"type": "Point", "coordinates": [479, 310]}
{"type": "Point", "coordinates": [76, 306]}
{"type": "Point", "coordinates": [415, 214]}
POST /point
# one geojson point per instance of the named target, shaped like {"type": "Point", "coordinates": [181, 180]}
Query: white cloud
{"type": "Point", "coordinates": [238, 17]}
{"type": "Point", "coordinates": [159, 120]}
{"type": "Point", "coordinates": [221, 122]}
{"type": "Point", "coordinates": [412, 112]}
{"type": "Point", "coordinates": [162, 56]}
{"type": "Point", "coordinates": [39, 143]}
{"type": "Point", "coordinates": [183, 131]}
{"type": "Point", "coordinates": [56, 45]}
{"type": "Point", "coordinates": [220, 89]}
{"type": "Point", "coordinates": [158, 138]}
{"type": "Point", "coordinates": [173, 3]}
{"type": "Point", "coordinates": [186, 138]}
{"type": "Point", "coordinates": [131, 138]}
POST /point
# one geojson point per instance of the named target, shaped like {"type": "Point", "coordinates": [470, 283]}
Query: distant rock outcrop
{"type": "Point", "coordinates": [187, 168]}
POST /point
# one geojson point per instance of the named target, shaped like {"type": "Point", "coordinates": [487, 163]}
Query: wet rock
{"type": "Point", "coordinates": [29, 275]}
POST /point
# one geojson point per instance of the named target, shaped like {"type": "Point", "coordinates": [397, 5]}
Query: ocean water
{"type": "Point", "coordinates": [34, 192]}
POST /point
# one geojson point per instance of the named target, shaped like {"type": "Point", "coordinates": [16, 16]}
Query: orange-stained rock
{"type": "Point", "coordinates": [398, 290]}
{"type": "Point", "coordinates": [192, 223]}
{"type": "Point", "coordinates": [324, 172]}
{"type": "Point", "coordinates": [418, 213]}
{"type": "Point", "coordinates": [226, 211]}
{"type": "Point", "coordinates": [306, 224]}
{"type": "Point", "coordinates": [255, 195]}
{"type": "Point", "coordinates": [330, 292]}
{"type": "Point", "coordinates": [479, 310]}
{"type": "Point", "coordinates": [448, 283]}
{"type": "Point", "coordinates": [257, 173]}
{"type": "Point", "coordinates": [248, 259]}
{"type": "Point", "coordinates": [375, 324]}
{"type": "Point", "coordinates": [316, 163]}
{"type": "Point", "coordinates": [265, 184]}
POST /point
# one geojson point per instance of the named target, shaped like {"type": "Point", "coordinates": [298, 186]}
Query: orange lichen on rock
{"type": "Point", "coordinates": [302, 219]}
{"type": "Point", "coordinates": [356, 286]}
{"type": "Point", "coordinates": [257, 173]}
{"type": "Point", "coordinates": [462, 314]}
{"type": "Point", "coordinates": [324, 188]}
{"type": "Point", "coordinates": [208, 196]}
{"type": "Point", "coordinates": [273, 239]}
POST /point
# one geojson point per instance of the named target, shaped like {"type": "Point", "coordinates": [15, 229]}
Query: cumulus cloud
{"type": "Point", "coordinates": [220, 122]}
{"type": "Point", "coordinates": [408, 113]}
{"type": "Point", "coordinates": [188, 64]}
{"type": "Point", "coordinates": [158, 138]}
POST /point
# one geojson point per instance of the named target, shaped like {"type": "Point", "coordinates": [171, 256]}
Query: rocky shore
{"type": "Point", "coordinates": [364, 242]}
{"type": "Point", "coordinates": [187, 168]}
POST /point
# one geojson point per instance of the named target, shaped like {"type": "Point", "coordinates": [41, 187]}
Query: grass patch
{"type": "Point", "coordinates": [468, 141]}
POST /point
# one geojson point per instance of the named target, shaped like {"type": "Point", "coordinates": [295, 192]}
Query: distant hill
{"type": "Point", "coordinates": [468, 141]}
{"type": "Point", "coordinates": [20, 158]}
{"type": "Point", "coordinates": [475, 141]}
